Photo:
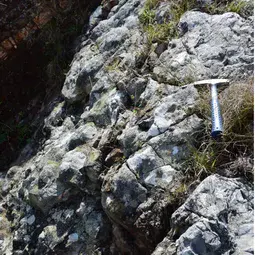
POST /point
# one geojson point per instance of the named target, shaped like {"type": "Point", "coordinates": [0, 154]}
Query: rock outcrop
{"type": "Point", "coordinates": [108, 177]}
{"type": "Point", "coordinates": [36, 45]}
{"type": "Point", "coordinates": [209, 47]}
{"type": "Point", "coordinates": [215, 219]}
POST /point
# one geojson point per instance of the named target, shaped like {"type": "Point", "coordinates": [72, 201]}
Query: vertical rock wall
{"type": "Point", "coordinates": [36, 46]}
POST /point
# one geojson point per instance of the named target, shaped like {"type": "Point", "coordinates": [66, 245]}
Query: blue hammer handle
{"type": "Point", "coordinates": [217, 124]}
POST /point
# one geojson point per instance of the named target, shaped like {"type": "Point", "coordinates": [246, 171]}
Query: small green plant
{"type": "Point", "coordinates": [181, 6]}
{"type": "Point", "coordinates": [5, 226]}
{"type": "Point", "coordinates": [160, 32]}
{"type": "Point", "coordinates": [168, 29]}
{"type": "Point", "coordinates": [140, 144]}
{"type": "Point", "coordinates": [114, 65]}
{"type": "Point", "coordinates": [95, 47]}
{"type": "Point", "coordinates": [53, 163]}
{"type": "Point", "coordinates": [163, 32]}
{"type": "Point", "coordinates": [178, 196]}
{"type": "Point", "coordinates": [151, 4]}
{"type": "Point", "coordinates": [202, 160]}
{"type": "Point", "coordinates": [236, 6]}
{"type": "Point", "coordinates": [180, 190]}
{"type": "Point", "coordinates": [147, 16]}
{"type": "Point", "coordinates": [243, 8]}
{"type": "Point", "coordinates": [155, 32]}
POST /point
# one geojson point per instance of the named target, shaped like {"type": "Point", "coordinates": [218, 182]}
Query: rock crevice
{"type": "Point", "coordinates": [110, 175]}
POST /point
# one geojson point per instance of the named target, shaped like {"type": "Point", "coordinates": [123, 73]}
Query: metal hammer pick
{"type": "Point", "coordinates": [217, 124]}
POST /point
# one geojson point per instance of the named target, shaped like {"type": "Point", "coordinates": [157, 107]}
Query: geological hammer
{"type": "Point", "coordinates": [217, 124]}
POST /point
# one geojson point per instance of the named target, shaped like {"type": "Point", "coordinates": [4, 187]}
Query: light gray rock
{"type": "Point", "coordinates": [150, 93]}
{"type": "Point", "coordinates": [49, 238]}
{"type": "Point", "coordinates": [107, 109]}
{"type": "Point", "coordinates": [219, 218]}
{"type": "Point", "coordinates": [134, 88]}
{"type": "Point", "coordinates": [104, 84]}
{"type": "Point", "coordinates": [31, 220]}
{"type": "Point", "coordinates": [44, 192]}
{"type": "Point", "coordinates": [131, 139]}
{"type": "Point", "coordinates": [116, 17]}
{"type": "Point", "coordinates": [81, 167]}
{"type": "Point", "coordinates": [172, 109]}
{"type": "Point", "coordinates": [106, 138]}
{"type": "Point", "coordinates": [91, 220]}
{"type": "Point", "coordinates": [56, 116]}
{"type": "Point", "coordinates": [144, 161]}
{"type": "Point", "coordinates": [204, 237]}
{"type": "Point", "coordinates": [95, 17]}
{"type": "Point", "coordinates": [72, 238]}
{"type": "Point", "coordinates": [12, 177]}
{"type": "Point", "coordinates": [127, 109]}
{"type": "Point", "coordinates": [78, 87]}
{"type": "Point", "coordinates": [113, 39]}
{"type": "Point", "coordinates": [163, 13]}
{"type": "Point", "coordinates": [110, 36]}
{"type": "Point", "coordinates": [103, 27]}
{"type": "Point", "coordinates": [121, 195]}
{"type": "Point", "coordinates": [58, 143]}
{"type": "Point", "coordinates": [164, 177]}
{"type": "Point", "coordinates": [173, 145]}
{"type": "Point", "coordinates": [131, 22]}
{"type": "Point", "coordinates": [166, 247]}
{"type": "Point", "coordinates": [211, 46]}
{"type": "Point", "coordinates": [86, 133]}
{"type": "Point", "coordinates": [153, 166]}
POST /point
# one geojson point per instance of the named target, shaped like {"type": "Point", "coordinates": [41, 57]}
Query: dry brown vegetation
{"type": "Point", "coordinates": [233, 153]}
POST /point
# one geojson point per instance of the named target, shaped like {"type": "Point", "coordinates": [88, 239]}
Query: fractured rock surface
{"type": "Point", "coordinates": [215, 219]}
{"type": "Point", "coordinates": [211, 46]}
{"type": "Point", "coordinates": [114, 157]}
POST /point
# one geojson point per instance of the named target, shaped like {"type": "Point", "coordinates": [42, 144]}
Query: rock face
{"type": "Point", "coordinates": [208, 48]}
{"type": "Point", "coordinates": [215, 219]}
{"type": "Point", "coordinates": [224, 207]}
{"type": "Point", "coordinates": [114, 157]}
{"type": "Point", "coordinates": [36, 44]}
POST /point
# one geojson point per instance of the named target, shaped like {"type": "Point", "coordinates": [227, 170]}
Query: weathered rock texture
{"type": "Point", "coordinates": [106, 177]}
{"type": "Point", "coordinates": [36, 43]}
{"type": "Point", "coordinates": [204, 49]}
{"type": "Point", "coordinates": [215, 219]}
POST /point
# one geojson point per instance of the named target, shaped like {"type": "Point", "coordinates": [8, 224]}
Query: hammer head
{"type": "Point", "coordinates": [220, 83]}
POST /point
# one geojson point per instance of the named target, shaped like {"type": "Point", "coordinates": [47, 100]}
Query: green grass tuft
{"type": "Point", "coordinates": [169, 29]}
{"type": "Point", "coordinates": [236, 145]}
{"type": "Point", "coordinates": [114, 65]}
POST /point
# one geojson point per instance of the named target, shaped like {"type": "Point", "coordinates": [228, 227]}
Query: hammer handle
{"type": "Point", "coordinates": [217, 125]}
